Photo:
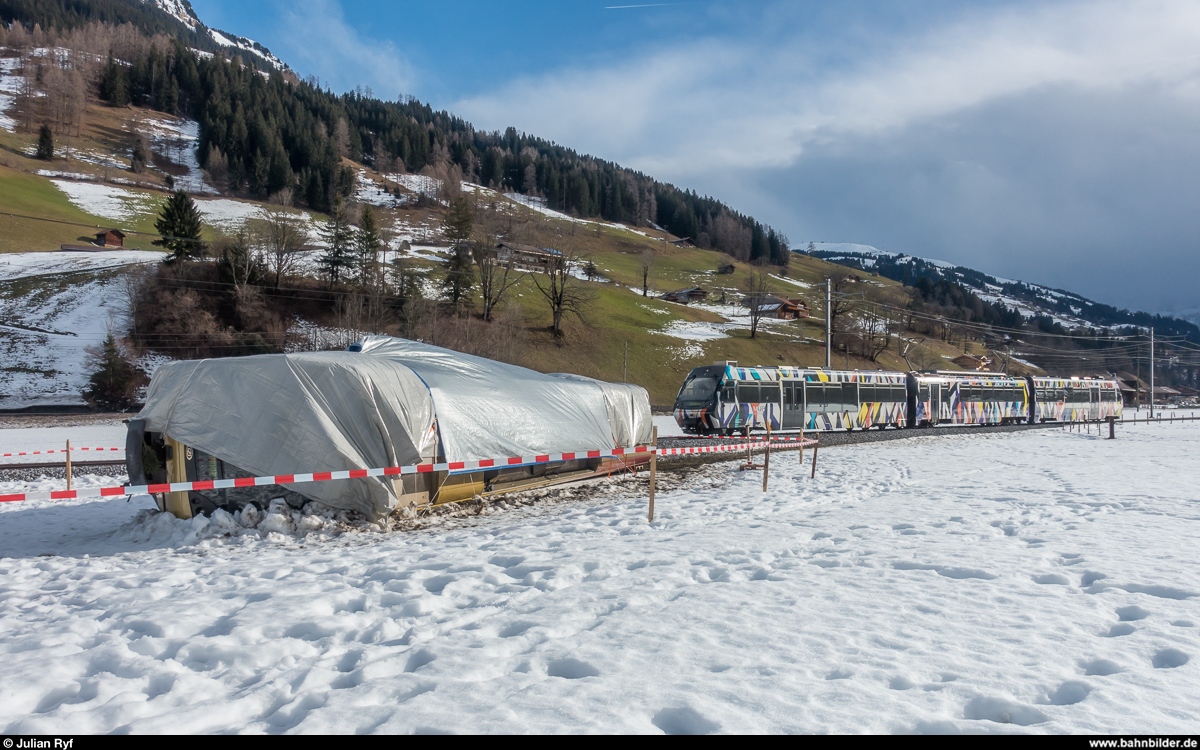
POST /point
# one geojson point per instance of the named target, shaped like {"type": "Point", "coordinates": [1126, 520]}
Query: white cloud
{"type": "Point", "coordinates": [316, 38]}
{"type": "Point", "coordinates": [740, 105]}
{"type": "Point", "coordinates": [1040, 142]}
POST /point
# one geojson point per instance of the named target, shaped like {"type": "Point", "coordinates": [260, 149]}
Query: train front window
{"type": "Point", "coordinates": [698, 389]}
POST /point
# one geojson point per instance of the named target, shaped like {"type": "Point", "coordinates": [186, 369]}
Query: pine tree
{"type": "Point", "coordinates": [115, 380]}
{"type": "Point", "coordinates": [338, 235]}
{"type": "Point", "coordinates": [180, 226]}
{"type": "Point", "coordinates": [45, 147]}
{"type": "Point", "coordinates": [366, 246]}
{"type": "Point", "coordinates": [140, 154]}
{"type": "Point", "coordinates": [459, 221]}
{"type": "Point", "coordinates": [459, 277]}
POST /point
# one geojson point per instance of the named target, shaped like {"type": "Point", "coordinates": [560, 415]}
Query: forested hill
{"type": "Point", "coordinates": [147, 16]}
{"type": "Point", "coordinates": [265, 132]}
{"type": "Point", "coordinates": [965, 293]}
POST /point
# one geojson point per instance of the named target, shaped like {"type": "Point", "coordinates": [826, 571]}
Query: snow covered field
{"type": "Point", "coordinates": [52, 306]}
{"type": "Point", "coordinates": [1032, 582]}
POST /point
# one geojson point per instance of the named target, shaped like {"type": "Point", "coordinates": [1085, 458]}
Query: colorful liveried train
{"type": "Point", "coordinates": [724, 398]}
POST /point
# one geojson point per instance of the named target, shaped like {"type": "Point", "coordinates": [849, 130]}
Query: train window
{"type": "Point", "coordinates": [698, 389]}
{"type": "Point", "coordinates": [849, 396]}
{"type": "Point", "coordinates": [747, 393]}
{"type": "Point", "coordinates": [816, 396]}
{"type": "Point", "coordinates": [770, 393]}
{"type": "Point", "coordinates": [868, 393]}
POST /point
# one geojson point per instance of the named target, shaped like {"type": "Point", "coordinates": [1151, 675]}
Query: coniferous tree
{"type": "Point", "coordinates": [338, 235]}
{"type": "Point", "coordinates": [140, 154]}
{"type": "Point", "coordinates": [180, 226]}
{"type": "Point", "coordinates": [45, 147]}
{"type": "Point", "coordinates": [366, 247]}
{"type": "Point", "coordinates": [115, 380]}
{"type": "Point", "coordinates": [459, 278]}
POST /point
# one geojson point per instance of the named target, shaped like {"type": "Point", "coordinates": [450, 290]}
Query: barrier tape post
{"type": "Point", "coordinates": [653, 470]}
{"type": "Point", "coordinates": [68, 466]}
{"type": "Point", "coordinates": [801, 446]}
{"type": "Point", "coordinates": [814, 466]}
{"type": "Point", "coordinates": [767, 455]}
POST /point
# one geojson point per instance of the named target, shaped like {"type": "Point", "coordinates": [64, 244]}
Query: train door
{"type": "Point", "coordinates": [935, 402]}
{"type": "Point", "coordinates": [1094, 411]}
{"type": "Point", "coordinates": [793, 404]}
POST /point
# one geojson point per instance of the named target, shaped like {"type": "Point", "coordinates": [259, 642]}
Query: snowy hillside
{"type": "Point", "coordinates": [52, 306]}
{"type": "Point", "coordinates": [181, 10]}
{"type": "Point", "coordinates": [1030, 300]}
{"type": "Point", "coordinates": [1000, 594]}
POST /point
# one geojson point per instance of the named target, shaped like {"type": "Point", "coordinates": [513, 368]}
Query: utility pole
{"type": "Point", "coordinates": [828, 324]}
{"type": "Point", "coordinates": [1152, 372]}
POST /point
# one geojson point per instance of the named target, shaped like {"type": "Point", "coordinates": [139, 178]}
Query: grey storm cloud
{"type": "Point", "coordinates": [1095, 192]}
{"type": "Point", "coordinates": [1053, 143]}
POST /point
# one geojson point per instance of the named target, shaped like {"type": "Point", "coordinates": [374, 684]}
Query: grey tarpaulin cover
{"type": "Point", "coordinates": [386, 404]}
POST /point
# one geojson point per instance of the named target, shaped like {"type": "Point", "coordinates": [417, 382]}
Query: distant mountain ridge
{"type": "Point", "coordinates": [171, 17]}
{"type": "Point", "coordinates": [182, 11]}
{"type": "Point", "coordinates": [1032, 301]}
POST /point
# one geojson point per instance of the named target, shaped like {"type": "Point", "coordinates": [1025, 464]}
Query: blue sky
{"type": "Point", "coordinates": [1053, 142]}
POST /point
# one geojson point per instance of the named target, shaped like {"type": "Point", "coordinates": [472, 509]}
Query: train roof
{"type": "Point", "coordinates": [811, 374]}
{"type": "Point", "coordinates": [966, 377]}
{"type": "Point", "coordinates": [1088, 382]}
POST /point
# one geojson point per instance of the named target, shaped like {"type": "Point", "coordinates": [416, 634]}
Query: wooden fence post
{"type": "Point", "coordinates": [801, 446]}
{"type": "Point", "coordinates": [749, 450]}
{"type": "Point", "coordinates": [814, 468]}
{"type": "Point", "coordinates": [68, 466]}
{"type": "Point", "coordinates": [767, 456]}
{"type": "Point", "coordinates": [1112, 427]}
{"type": "Point", "coordinates": [653, 469]}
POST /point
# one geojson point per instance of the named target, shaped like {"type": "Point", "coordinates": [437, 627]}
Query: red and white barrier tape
{"type": "Point", "coordinates": [323, 476]}
{"type": "Point", "coordinates": [61, 450]}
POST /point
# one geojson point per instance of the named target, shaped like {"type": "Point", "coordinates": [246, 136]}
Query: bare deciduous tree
{"type": "Point", "coordinates": [281, 237]}
{"type": "Point", "coordinates": [647, 263]}
{"type": "Point", "coordinates": [563, 292]}
{"type": "Point", "coordinates": [757, 287]}
{"type": "Point", "coordinates": [495, 277]}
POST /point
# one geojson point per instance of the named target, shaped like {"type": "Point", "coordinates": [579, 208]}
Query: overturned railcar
{"type": "Point", "coordinates": [384, 402]}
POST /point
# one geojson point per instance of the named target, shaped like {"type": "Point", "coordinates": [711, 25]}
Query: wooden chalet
{"type": "Point", "coordinates": [728, 268]}
{"type": "Point", "coordinates": [109, 239]}
{"type": "Point", "coordinates": [971, 362]}
{"type": "Point", "coordinates": [683, 242]}
{"type": "Point", "coordinates": [113, 238]}
{"type": "Point", "coordinates": [684, 296]}
{"type": "Point", "coordinates": [526, 257]}
{"type": "Point", "coordinates": [770, 306]}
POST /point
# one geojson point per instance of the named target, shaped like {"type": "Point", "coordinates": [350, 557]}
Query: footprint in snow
{"type": "Point", "coordinates": [1002, 711]}
{"type": "Point", "coordinates": [1052, 579]}
{"type": "Point", "coordinates": [683, 721]}
{"type": "Point", "coordinates": [1100, 668]}
{"type": "Point", "coordinates": [1069, 693]}
{"type": "Point", "coordinates": [1170, 658]}
{"type": "Point", "coordinates": [1120, 629]}
{"type": "Point", "coordinates": [571, 669]}
{"type": "Point", "coordinates": [1132, 613]}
